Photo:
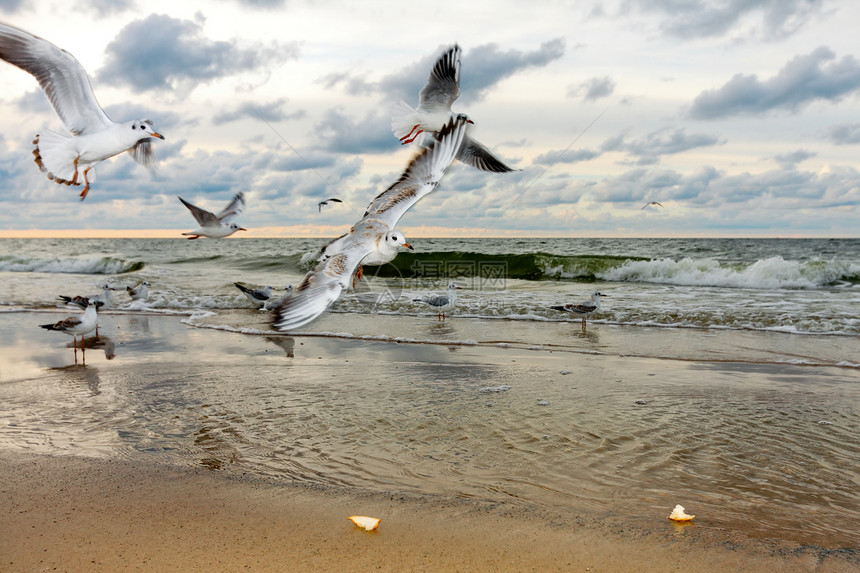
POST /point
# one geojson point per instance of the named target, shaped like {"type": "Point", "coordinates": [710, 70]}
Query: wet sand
{"type": "Point", "coordinates": [82, 499]}
{"type": "Point", "coordinates": [82, 514]}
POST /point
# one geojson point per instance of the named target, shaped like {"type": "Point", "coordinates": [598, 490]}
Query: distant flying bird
{"type": "Point", "coordinates": [373, 240]}
{"type": "Point", "coordinates": [70, 159]}
{"type": "Point", "coordinates": [138, 292]}
{"type": "Point", "coordinates": [442, 303]}
{"type": "Point", "coordinates": [75, 325]}
{"type": "Point", "coordinates": [582, 308]}
{"type": "Point", "coordinates": [216, 226]}
{"type": "Point", "coordinates": [434, 111]}
{"type": "Point", "coordinates": [322, 204]}
{"type": "Point", "coordinates": [655, 203]}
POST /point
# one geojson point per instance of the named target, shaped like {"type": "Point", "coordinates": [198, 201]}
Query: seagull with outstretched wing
{"type": "Point", "coordinates": [374, 240]}
{"type": "Point", "coordinates": [434, 111]}
{"type": "Point", "coordinates": [216, 226]}
{"type": "Point", "coordinates": [93, 137]}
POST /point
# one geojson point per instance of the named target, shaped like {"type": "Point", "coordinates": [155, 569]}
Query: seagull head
{"type": "Point", "coordinates": [463, 117]}
{"type": "Point", "coordinates": [234, 227]}
{"type": "Point", "coordinates": [145, 129]}
{"type": "Point", "coordinates": [397, 239]}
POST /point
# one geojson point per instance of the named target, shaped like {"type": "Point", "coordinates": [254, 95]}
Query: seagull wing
{"type": "Point", "coordinates": [443, 85]}
{"type": "Point", "coordinates": [421, 176]}
{"type": "Point", "coordinates": [475, 154]}
{"type": "Point", "coordinates": [204, 218]}
{"type": "Point", "coordinates": [61, 76]}
{"type": "Point", "coordinates": [322, 286]}
{"type": "Point", "coordinates": [581, 308]}
{"type": "Point", "coordinates": [235, 207]}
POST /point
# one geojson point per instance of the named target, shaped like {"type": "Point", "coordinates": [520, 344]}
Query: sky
{"type": "Point", "coordinates": [741, 117]}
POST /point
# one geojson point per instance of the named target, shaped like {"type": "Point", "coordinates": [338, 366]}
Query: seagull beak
{"type": "Point", "coordinates": [408, 246]}
{"type": "Point", "coordinates": [470, 121]}
{"type": "Point", "coordinates": [241, 229]}
{"type": "Point", "coordinates": [158, 135]}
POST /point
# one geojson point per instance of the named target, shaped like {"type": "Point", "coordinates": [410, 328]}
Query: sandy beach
{"type": "Point", "coordinates": [189, 449]}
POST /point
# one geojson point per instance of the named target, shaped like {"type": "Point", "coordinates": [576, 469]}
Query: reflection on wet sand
{"type": "Point", "coordinates": [287, 343]}
{"type": "Point", "coordinates": [77, 376]}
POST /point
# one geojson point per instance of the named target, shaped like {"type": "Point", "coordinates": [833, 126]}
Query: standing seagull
{"type": "Point", "coordinates": [104, 299]}
{"type": "Point", "coordinates": [373, 240]}
{"type": "Point", "coordinates": [434, 111]}
{"type": "Point", "coordinates": [582, 308]}
{"type": "Point", "coordinates": [68, 159]}
{"type": "Point", "coordinates": [139, 292]}
{"type": "Point", "coordinates": [259, 296]}
{"type": "Point", "coordinates": [441, 303]}
{"type": "Point", "coordinates": [216, 226]}
{"type": "Point", "coordinates": [76, 325]}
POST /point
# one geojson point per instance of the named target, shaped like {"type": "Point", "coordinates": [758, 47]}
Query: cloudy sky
{"type": "Point", "coordinates": [742, 117]}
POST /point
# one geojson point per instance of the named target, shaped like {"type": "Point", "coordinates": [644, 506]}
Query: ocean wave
{"type": "Point", "coordinates": [73, 265]}
{"type": "Point", "coordinates": [767, 273]}
{"type": "Point", "coordinates": [770, 273]}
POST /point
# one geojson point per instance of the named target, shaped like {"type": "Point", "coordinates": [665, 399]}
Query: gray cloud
{"type": "Point", "coordinates": [11, 6]}
{"type": "Point", "coordinates": [847, 134]}
{"type": "Point", "coordinates": [269, 111]}
{"type": "Point", "coordinates": [160, 52]}
{"type": "Point", "coordinates": [343, 134]}
{"type": "Point", "coordinates": [482, 68]}
{"type": "Point", "coordinates": [804, 79]}
{"type": "Point", "coordinates": [647, 151]}
{"type": "Point", "coordinates": [693, 19]}
{"type": "Point", "coordinates": [104, 8]}
{"type": "Point", "coordinates": [556, 156]}
{"type": "Point", "coordinates": [790, 160]}
{"type": "Point", "coordinates": [594, 89]}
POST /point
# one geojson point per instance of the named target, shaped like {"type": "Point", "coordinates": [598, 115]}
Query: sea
{"type": "Point", "coordinates": [723, 371]}
{"type": "Point", "coordinates": [808, 287]}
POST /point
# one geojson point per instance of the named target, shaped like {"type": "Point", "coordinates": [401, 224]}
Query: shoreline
{"type": "Point", "coordinates": [202, 449]}
{"type": "Point", "coordinates": [84, 514]}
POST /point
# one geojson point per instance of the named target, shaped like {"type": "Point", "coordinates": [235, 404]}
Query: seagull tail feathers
{"type": "Point", "coordinates": [404, 118]}
{"type": "Point", "coordinates": [55, 155]}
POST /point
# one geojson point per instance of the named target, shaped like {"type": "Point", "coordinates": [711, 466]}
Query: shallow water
{"type": "Point", "coordinates": [767, 448]}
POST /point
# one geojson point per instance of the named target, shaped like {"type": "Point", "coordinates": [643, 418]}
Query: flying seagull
{"type": "Point", "coordinates": [582, 308]}
{"type": "Point", "coordinates": [654, 203]}
{"type": "Point", "coordinates": [434, 111]}
{"type": "Point", "coordinates": [216, 226]}
{"type": "Point", "coordinates": [373, 240]}
{"type": "Point", "coordinates": [93, 137]}
{"type": "Point", "coordinates": [322, 204]}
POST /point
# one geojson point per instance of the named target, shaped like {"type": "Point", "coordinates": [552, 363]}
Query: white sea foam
{"type": "Point", "coordinates": [74, 265]}
{"type": "Point", "coordinates": [770, 273]}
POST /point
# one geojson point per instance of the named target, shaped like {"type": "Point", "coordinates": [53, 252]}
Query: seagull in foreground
{"type": "Point", "coordinates": [441, 303]}
{"type": "Point", "coordinates": [259, 296]}
{"type": "Point", "coordinates": [434, 111]}
{"type": "Point", "coordinates": [582, 308]}
{"type": "Point", "coordinates": [373, 240]}
{"type": "Point", "coordinates": [104, 299]}
{"type": "Point", "coordinates": [216, 226]}
{"type": "Point", "coordinates": [93, 137]}
{"type": "Point", "coordinates": [322, 204]}
{"type": "Point", "coordinates": [654, 203]}
{"type": "Point", "coordinates": [75, 325]}
{"type": "Point", "coordinates": [138, 292]}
